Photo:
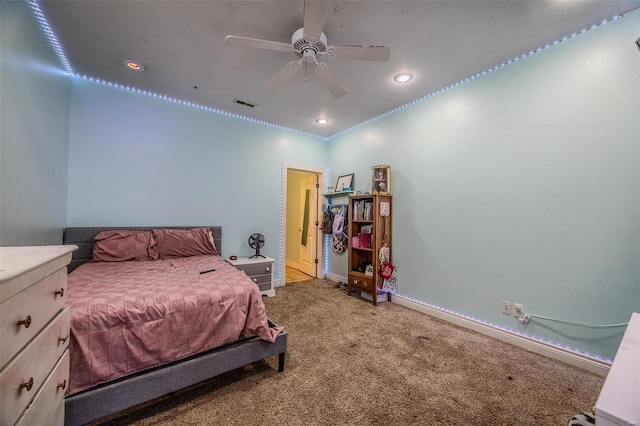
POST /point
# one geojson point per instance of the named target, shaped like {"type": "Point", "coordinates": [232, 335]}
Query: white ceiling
{"type": "Point", "coordinates": [182, 45]}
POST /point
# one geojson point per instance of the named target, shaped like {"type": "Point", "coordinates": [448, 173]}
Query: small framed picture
{"type": "Point", "coordinates": [368, 270]}
{"type": "Point", "coordinates": [344, 183]}
{"type": "Point", "coordinates": [381, 183]}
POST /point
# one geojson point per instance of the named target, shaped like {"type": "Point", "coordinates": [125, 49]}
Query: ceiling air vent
{"type": "Point", "coordinates": [244, 103]}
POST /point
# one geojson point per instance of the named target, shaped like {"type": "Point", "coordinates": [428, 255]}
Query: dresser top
{"type": "Point", "coordinates": [21, 267]}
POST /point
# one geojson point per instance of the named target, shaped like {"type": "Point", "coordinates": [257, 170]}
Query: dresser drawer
{"type": "Point", "coordinates": [256, 269]}
{"type": "Point", "coordinates": [361, 282]}
{"type": "Point", "coordinates": [32, 365]}
{"type": "Point", "coordinates": [261, 279]}
{"type": "Point", "coordinates": [35, 307]}
{"type": "Point", "coordinates": [47, 407]}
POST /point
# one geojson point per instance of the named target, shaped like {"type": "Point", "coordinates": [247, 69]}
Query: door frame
{"type": "Point", "coordinates": [321, 172]}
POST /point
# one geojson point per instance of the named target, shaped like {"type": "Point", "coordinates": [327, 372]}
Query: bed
{"type": "Point", "coordinates": [110, 371]}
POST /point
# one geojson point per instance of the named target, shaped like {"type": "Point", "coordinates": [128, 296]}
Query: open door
{"type": "Point", "coordinates": [308, 229]}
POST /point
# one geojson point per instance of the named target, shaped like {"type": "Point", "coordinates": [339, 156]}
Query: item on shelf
{"type": "Point", "coordinates": [381, 181]}
{"type": "Point", "coordinates": [344, 183]}
{"type": "Point", "coordinates": [368, 270]}
{"type": "Point", "coordinates": [355, 241]}
{"type": "Point", "coordinates": [365, 239]}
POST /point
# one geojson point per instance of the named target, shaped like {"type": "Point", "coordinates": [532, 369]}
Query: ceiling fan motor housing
{"type": "Point", "coordinates": [301, 43]}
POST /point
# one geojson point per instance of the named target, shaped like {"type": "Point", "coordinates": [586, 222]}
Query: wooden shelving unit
{"type": "Point", "coordinates": [364, 211]}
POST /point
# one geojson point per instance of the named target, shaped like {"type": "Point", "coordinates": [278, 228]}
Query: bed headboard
{"type": "Point", "coordinates": [83, 238]}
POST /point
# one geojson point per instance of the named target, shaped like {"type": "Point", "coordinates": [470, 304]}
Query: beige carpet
{"type": "Point", "coordinates": [350, 363]}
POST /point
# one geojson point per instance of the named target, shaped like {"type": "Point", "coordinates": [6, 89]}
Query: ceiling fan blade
{"type": "Point", "coordinates": [257, 43]}
{"type": "Point", "coordinates": [329, 78]}
{"type": "Point", "coordinates": [362, 53]}
{"type": "Point", "coordinates": [315, 13]}
{"type": "Point", "coordinates": [283, 76]}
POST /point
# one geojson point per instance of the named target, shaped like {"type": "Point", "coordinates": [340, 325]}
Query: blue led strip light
{"type": "Point", "coordinates": [280, 221]}
{"type": "Point", "coordinates": [508, 330]}
{"type": "Point", "coordinates": [44, 24]}
{"type": "Point", "coordinates": [480, 74]}
{"type": "Point", "coordinates": [53, 40]}
{"type": "Point", "coordinates": [198, 106]}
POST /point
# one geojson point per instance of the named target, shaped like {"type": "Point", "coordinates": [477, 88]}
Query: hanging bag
{"type": "Point", "coordinates": [327, 222]}
{"type": "Point", "coordinates": [338, 232]}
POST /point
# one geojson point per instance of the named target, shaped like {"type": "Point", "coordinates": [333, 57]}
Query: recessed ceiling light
{"type": "Point", "coordinates": [133, 65]}
{"type": "Point", "coordinates": [322, 121]}
{"type": "Point", "coordinates": [403, 77]}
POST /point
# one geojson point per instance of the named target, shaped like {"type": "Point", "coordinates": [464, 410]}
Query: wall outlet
{"type": "Point", "coordinates": [518, 310]}
{"type": "Point", "coordinates": [506, 307]}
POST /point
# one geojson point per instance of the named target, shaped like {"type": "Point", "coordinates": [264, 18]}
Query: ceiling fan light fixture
{"type": "Point", "coordinates": [403, 77]}
{"type": "Point", "coordinates": [133, 65]}
{"type": "Point", "coordinates": [322, 121]}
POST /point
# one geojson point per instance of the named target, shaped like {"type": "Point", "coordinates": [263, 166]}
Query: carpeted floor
{"type": "Point", "coordinates": [350, 363]}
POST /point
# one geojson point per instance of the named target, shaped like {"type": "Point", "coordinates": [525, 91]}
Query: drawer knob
{"type": "Point", "coordinates": [62, 385]}
{"type": "Point", "coordinates": [255, 280]}
{"type": "Point", "coordinates": [26, 322]}
{"type": "Point", "coordinates": [28, 384]}
{"type": "Point", "coordinates": [356, 281]}
{"type": "Point", "coordinates": [267, 269]}
{"type": "Point", "coordinates": [62, 339]}
{"type": "Point", "coordinates": [60, 292]}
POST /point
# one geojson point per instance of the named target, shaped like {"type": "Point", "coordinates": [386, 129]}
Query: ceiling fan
{"type": "Point", "coordinates": [309, 44]}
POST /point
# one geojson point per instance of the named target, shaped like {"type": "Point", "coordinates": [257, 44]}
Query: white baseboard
{"type": "Point", "coordinates": [568, 357]}
{"type": "Point", "coordinates": [335, 278]}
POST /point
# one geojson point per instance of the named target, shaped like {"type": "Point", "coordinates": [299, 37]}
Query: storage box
{"type": "Point", "coordinates": [368, 296]}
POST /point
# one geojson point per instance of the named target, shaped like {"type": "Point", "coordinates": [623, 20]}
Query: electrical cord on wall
{"type": "Point", "coordinates": [527, 317]}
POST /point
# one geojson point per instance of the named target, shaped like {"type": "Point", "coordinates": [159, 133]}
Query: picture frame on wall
{"type": "Point", "coordinates": [381, 180]}
{"type": "Point", "coordinates": [345, 183]}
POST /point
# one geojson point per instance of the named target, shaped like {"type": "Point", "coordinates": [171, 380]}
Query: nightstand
{"type": "Point", "coordinates": [260, 270]}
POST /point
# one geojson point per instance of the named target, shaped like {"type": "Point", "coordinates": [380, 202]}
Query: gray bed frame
{"type": "Point", "coordinates": [113, 397]}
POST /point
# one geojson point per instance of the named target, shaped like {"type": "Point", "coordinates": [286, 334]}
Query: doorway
{"type": "Point", "coordinates": [303, 241]}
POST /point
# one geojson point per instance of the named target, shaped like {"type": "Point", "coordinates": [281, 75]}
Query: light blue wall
{"type": "Point", "coordinates": [137, 160]}
{"type": "Point", "coordinates": [522, 185]}
{"type": "Point", "coordinates": [34, 109]}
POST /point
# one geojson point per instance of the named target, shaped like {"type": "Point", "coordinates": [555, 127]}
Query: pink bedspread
{"type": "Point", "coordinates": [130, 316]}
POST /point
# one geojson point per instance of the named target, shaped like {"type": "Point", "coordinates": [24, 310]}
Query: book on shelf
{"type": "Point", "coordinates": [368, 211]}
{"type": "Point", "coordinates": [362, 210]}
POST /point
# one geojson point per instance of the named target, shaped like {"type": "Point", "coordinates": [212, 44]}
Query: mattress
{"type": "Point", "coordinates": [131, 316]}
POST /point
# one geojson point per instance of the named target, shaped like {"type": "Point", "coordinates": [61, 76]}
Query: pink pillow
{"type": "Point", "coordinates": [184, 242]}
{"type": "Point", "coordinates": [121, 245]}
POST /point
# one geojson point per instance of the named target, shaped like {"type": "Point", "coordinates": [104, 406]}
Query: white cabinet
{"type": "Point", "coordinates": [34, 325]}
{"type": "Point", "coordinates": [619, 400]}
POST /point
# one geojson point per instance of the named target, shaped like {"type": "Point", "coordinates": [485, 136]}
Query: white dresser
{"type": "Point", "coordinates": [34, 334]}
